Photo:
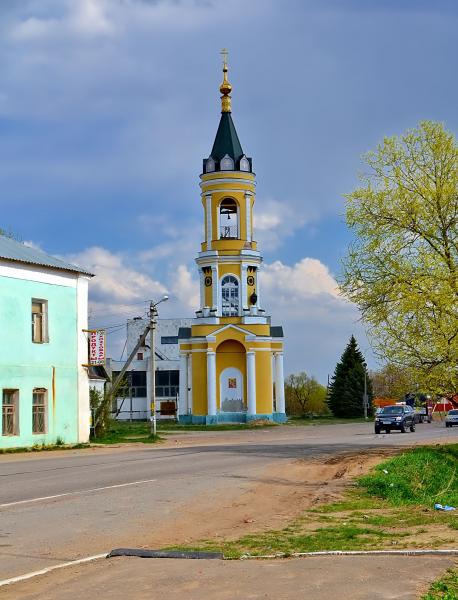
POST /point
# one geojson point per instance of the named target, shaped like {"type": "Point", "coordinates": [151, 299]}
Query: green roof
{"type": "Point", "coordinates": [226, 140]}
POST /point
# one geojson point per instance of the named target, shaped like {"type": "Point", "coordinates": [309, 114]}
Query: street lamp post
{"type": "Point", "coordinates": [152, 330]}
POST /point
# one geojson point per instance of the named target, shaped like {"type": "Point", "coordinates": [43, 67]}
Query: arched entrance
{"type": "Point", "coordinates": [231, 390]}
{"type": "Point", "coordinates": [231, 373]}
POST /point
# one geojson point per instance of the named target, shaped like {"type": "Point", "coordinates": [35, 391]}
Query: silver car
{"type": "Point", "coordinates": [452, 418]}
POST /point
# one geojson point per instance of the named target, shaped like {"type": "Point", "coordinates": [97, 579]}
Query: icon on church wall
{"type": "Point", "coordinates": [232, 382]}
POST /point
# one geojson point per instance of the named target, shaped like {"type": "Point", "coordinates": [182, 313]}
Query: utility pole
{"type": "Point", "coordinates": [365, 398]}
{"type": "Point", "coordinates": [141, 342]}
{"type": "Point", "coordinates": [152, 330]}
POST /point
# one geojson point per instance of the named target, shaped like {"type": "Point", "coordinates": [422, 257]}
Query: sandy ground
{"type": "Point", "coordinates": [283, 493]}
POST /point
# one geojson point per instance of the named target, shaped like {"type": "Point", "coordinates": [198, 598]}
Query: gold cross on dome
{"type": "Point", "coordinates": [224, 54]}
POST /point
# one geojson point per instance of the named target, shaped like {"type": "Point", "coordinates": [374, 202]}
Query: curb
{"type": "Point", "coordinates": [143, 553]}
{"type": "Point", "coordinates": [451, 552]}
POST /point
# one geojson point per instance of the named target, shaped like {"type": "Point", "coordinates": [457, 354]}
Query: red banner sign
{"type": "Point", "coordinates": [97, 347]}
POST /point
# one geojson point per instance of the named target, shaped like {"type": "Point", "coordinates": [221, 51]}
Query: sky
{"type": "Point", "coordinates": [107, 108]}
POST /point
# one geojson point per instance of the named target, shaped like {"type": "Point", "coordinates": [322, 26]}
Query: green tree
{"type": "Point", "coordinates": [392, 381]}
{"type": "Point", "coordinates": [100, 403]}
{"type": "Point", "coordinates": [402, 269]}
{"type": "Point", "coordinates": [346, 391]}
{"type": "Point", "coordinates": [303, 394]}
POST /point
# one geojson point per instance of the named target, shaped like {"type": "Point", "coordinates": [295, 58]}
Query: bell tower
{"type": "Point", "coordinates": [232, 358]}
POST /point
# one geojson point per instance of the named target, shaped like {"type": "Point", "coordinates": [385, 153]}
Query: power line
{"type": "Point", "coordinates": [115, 330]}
{"type": "Point", "coordinates": [122, 353]}
{"type": "Point", "coordinates": [110, 326]}
{"type": "Point", "coordinates": [132, 304]}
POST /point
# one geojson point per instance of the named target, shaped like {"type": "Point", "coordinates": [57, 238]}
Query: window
{"type": "Point", "coordinates": [134, 382]}
{"type": "Point", "coordinates": [137, 384]}
{"type": "Point", "coordinates": [39, 321]}
{"type": "Point", "coordinates": [230, 296]}
{"type": "Point", "coordinates": [210, 165]}
{"type": "Point", "coordinates": [39, 402]}
{"type": "Point", "coordinates": [244, 164]}
{"type": "Point", "coordinates": [167, 383]}
{"type": "Point", "coordinates": [10, 412]}
{"type": "Point", "coordinates": [228, 219]}
{"type": "Point", "coordinates": [226, 164]}
{"type": "Point", "coordinates": [139, 355]}
{"type": "Point", "coordinates": [169, 339]}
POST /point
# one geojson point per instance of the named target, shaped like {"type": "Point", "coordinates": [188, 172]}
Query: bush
{"type": "Point", "coordinates": [100, 411]}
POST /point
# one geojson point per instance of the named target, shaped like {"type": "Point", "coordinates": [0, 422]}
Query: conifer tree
{"type": "Point", "coordinates": [346, 391]}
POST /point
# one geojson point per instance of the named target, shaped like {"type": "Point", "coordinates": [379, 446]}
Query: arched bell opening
{"type": "Point", "coordinates": [228, 219]}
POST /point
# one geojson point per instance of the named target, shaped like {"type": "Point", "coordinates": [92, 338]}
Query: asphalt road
{"type": "Point", "coordinates": [57, 507]}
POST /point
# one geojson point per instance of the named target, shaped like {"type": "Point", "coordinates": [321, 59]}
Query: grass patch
{"type": "Point", "coordinates": [423, 475]}
{"type": "Point", "coordinates": [445, 588]}
{"type": "Point", "coordinates": [372, 515]}
{"type": "Point", "coordinates": [43, 448]}
{"type": "Point", "coordinates": [125, 433]}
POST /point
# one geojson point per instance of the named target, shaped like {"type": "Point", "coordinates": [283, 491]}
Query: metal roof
{"type": "Point", "coordinates": [276, 331]}
{"type": "Point", "coordinates": [227, 140]}
{"type": "Point", "coordinates": [18, 252]}
{"type": "Point", "coordinates": [184, 333]}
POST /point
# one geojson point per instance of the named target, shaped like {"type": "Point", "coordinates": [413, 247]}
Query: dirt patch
{"type": "Point", "coordinates": [282, 493]}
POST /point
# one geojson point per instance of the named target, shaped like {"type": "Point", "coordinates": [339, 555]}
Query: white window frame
{"type": "Point", "coordinates": [226, 163]}
{"type": "Point", "coordinates": [44, 392]}
{"type": "Point", "coordinates": [40, 325]}
{"type": "Point", "coordinates": [244, 164]}
{"type": "Point", "coordinates": [225, 276]}
{"type": "Point", "coordinates": [210, 165]}
{"type": "Point", "coordinates": [15, 412]}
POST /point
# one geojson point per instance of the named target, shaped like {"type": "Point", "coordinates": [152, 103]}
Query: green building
{"type": "Point", "coordinates": [44, 386]}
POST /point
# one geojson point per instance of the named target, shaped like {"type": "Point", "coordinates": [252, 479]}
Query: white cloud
{"type": "Point", "coordinates": [186, 288]}
{"type": "Point", "coordinates": [274, 221]}
{"type": "Point", "coordinates": [307, 278]}
{"type": "Point", "coordinates": [317, 322]}
{"type": "Point", "coordinates": [80, 17]}
{"type": "Point", "coordinates": [116, 282]}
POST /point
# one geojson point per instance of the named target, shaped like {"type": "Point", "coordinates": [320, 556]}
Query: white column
{"type": "Point", "coordinates": [258, 287]}
{"type": "Point", "coordinates": [215, 289]}
{"type": "Point", "coordinates": [211, 382]}
{"type": "Point", "coordinates": [202, 287]}
{"type": "Point", "coordinates": [189, 407]}
{"type": "Point", "coordinates": [208, 214]}
{"type": "Point", "coordinates": [251, 381]}
{"type": "Point", "coordinates": [183, 392]}
{"type": "Point", "coordinates": [244, 300]}
{"type": "Point", "coordinates": [82, 386]}
{"type": "Point", "coordinates": [279, 383]}
{"type": "Point", "coordinates": [248, 216]}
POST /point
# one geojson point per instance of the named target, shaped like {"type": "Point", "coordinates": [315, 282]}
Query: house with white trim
{"type": "Point", "coordinates": [44, 386]}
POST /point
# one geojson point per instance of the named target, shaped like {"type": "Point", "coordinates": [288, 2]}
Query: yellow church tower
{"type": "Point", "coordinates": [231, 359]}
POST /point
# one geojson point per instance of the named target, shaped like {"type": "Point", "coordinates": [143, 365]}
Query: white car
{"type": "Point", "coordinates": [452, 418]}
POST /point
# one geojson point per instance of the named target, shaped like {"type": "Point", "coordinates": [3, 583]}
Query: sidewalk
{"type": "Point", "coordinates": [318, 578]}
